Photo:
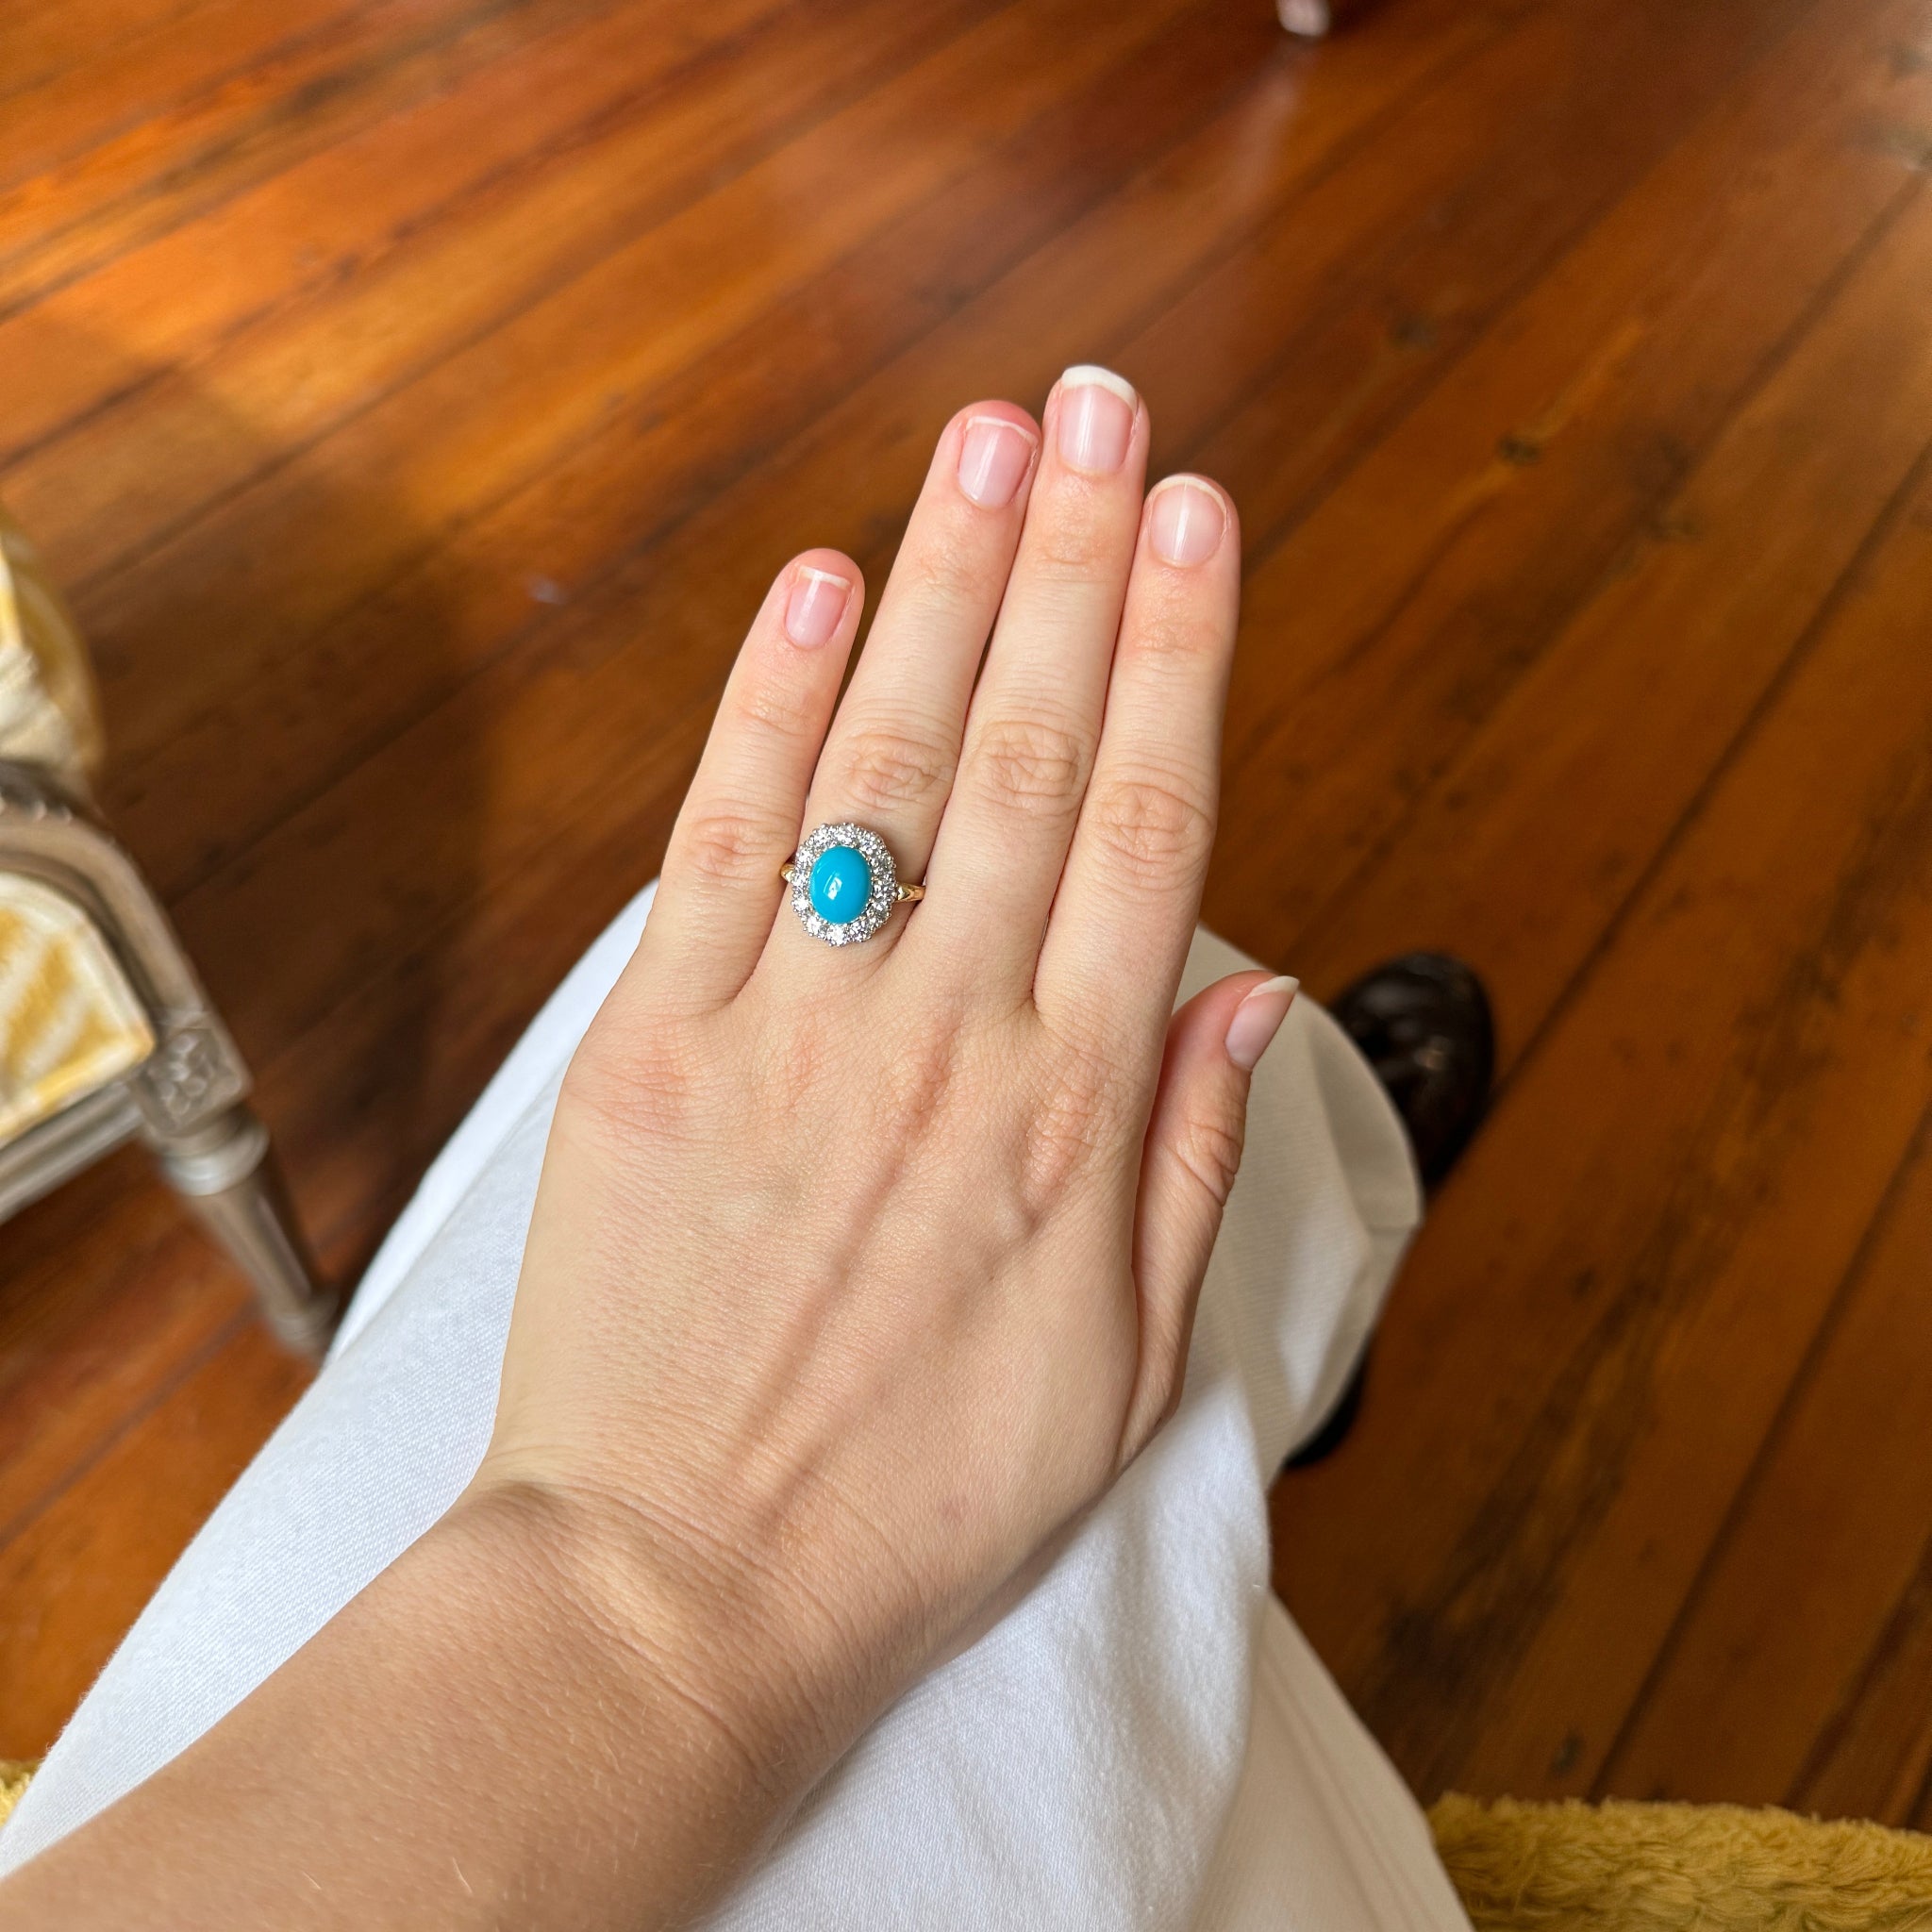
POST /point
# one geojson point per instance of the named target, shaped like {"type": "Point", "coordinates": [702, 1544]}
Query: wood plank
{"type": "Point", "coordinates": [155, 59]}
{"type": "Point", "coordinates": [333, 1077]}
{"type": "Point", "coordinates": [1659, 645]}
{"type": "Point", "coordinates": [231, 581]}
{"type": "Point", "coordinates": [1641, 1283]}
{"type": "Point", "coordinates": [1726, 1365]}
{"type": "Point", "coordinates": [1699, 612]}
{"type": "Point", "coordinates": [1874, 1757]}
{"type": "Point", "coordinates": [100, 1547]}
{"type": "Point", "coordinates": [1474, 118]}
{"type": "Point", "coordinates": [731, 541]}
{"type": "Point", "coordinates": [1765, 1693]}
{"type": "Point", "coordinates": [40, 44]}
{"type": "Point", "coordinates": [109, 1288]}
{"type": "Point", "coordinates": [711, 424]}
{"type": "Point", "coordinates": [1505, 499]}
{"type": "Point", "coordinates": [1476, 109]}
{"type": "Point", "coordinates": [1278, 412]}
{"type": "Point", "coordinates": [151, 163]}
{"type": "Point", "coordinates": [604, 674]}
{"type": "Point", "coordinates": [327, 285]}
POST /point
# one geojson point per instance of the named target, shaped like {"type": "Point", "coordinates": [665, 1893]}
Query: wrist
{"type": "Point", "coordinates": [697, 1662]}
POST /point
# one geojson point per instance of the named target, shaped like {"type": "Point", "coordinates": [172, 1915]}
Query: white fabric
{"type": "Point", "coordinates": [1323, 1836]}
{"type": "Point", "coordinates": [1089, 1762]}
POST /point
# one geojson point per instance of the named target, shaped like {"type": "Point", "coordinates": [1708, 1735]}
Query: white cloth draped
{"type": "Point", "coordinates": [1144, 1741]}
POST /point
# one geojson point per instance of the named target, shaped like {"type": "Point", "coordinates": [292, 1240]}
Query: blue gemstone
{"type": "Point", "coordinates": [840, 883]}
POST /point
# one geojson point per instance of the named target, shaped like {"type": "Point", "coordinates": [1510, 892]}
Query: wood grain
{"type": "Point", "coordinates": [168, 128]}
{"type": "Point", "coordinates": [417, 394]}
{"type": "Point", "coordinates": [1782, 1681]}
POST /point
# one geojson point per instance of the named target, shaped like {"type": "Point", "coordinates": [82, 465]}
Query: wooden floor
{"type": "Point", "coordinates": [417, 394]}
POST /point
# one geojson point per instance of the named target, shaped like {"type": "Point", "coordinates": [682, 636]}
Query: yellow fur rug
{"type": "Point", "coordinates": [1620, 1867]}
{"type": "Point", "coordinates": [1643, 1868]}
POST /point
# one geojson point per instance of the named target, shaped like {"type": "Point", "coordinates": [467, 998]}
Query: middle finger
{"type": "Point", "coordinates": [1035, 718]}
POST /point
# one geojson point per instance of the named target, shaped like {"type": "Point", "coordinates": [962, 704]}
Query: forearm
{"type": "Point", "coordinates": [488, 1733]}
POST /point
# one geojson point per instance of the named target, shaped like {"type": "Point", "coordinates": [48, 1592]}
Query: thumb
{"type": "Point", "coordinates": [1193, 1153]}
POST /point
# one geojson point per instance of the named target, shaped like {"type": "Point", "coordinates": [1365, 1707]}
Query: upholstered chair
{"type": "Point", "coordinates": [105, 1034]}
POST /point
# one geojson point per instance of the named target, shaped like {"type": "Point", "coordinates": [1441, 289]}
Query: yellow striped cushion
{"type": "Point", "coordinates": [47, 712]}
{"type": "Point", "coordinates": [68, 1021]}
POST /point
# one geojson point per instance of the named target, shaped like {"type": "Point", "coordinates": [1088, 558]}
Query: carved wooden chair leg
{"type": "Point", "coordinates": [180, 1085]}
{"type": "Point", "coordinates": [227, 1171]}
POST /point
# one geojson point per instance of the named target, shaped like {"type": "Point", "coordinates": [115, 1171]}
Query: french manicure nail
{"type": "Point", "coordinates": [993, 456]}
{"type": "Point", "coordinates": [1185, 521]}
{"type": "Point", "coordinates": [1257, 1019]}
{"type": "Point", "coordinates": [815, 606]}
{"type": "Point", "coordinates": [1097, 419]}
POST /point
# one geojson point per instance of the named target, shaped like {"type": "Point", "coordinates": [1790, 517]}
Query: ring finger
{"type": "Point", "coordinates": [890, 757]}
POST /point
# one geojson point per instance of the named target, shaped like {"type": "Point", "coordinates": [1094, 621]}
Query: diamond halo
{"type": "Point", "coordinates": [879, 902]}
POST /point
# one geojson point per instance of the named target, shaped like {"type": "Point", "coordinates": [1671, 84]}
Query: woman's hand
{"type": "Point", "coordinates": [857, 1271]}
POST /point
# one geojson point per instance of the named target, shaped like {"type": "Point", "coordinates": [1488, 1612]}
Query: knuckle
{"type": "Point", "coordinates": [1071, 548]}
{"type": "Point", "coordinates": [1155, 826]}
{"type": "Point", "coordinates": [775, 709]}
{"type": "Point", "coordinates": [887, 769]}
{"type": "Point", "coordinates": [1172, 631]}
{"type": "Point", "coordinates": [915, 1096]}
{"type": "Point", "coordinates": [791, 1064]}
{"type": "Point", "coordinates": [1028, 765]}
{"type": "Point", "coordinates": [1076, 1123]}
{"type": "Point", "coordinates": [1208, 1147]}
{"type": "Point", "coordinates": [731, 844]}
{"type": "Point", "coordinates": [948, 569]}
{"type": "Point", "coordinates": [914, 1085]}
{"type": "Point", "coordinates": [629, 1076]}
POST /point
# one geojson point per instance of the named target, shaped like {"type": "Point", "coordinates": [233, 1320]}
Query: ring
{"type": "Point", "coordinates": [845, 883]}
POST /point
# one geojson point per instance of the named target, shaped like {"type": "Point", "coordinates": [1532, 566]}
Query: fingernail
{"type": "Point", "coordinates": [1257, 1019]}
{"type": "Point", "coordinates": [815, 606]}
{"type": "Point", "coordinates": [1185, 521]}
{"type": "Point", "coordinates": [1097, 419]}
{"type": "Point", "coordinates": [993, 456]}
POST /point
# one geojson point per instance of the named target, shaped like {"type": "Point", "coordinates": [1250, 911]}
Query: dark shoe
{"type": "Point", "coordinates": [1423, 1024]}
